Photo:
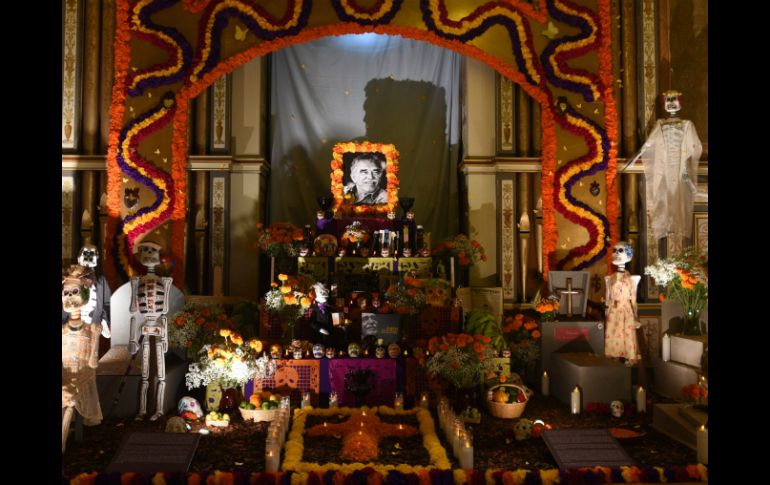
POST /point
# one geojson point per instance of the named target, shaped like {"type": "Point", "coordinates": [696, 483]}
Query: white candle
{"type": "Point", "coordinates": [424, 400]}
{"type": "Point", "coordinates": [452, 271]}
{"type": "Point", "coordinates": [466, 453]}
{"type": "Point", "coordinates": [641, 400]}
{"type": "Point", "coordinates": [398, 401]}
{"type": "Point", "coordinates": [271, 461]}
{"type": "Point", "coordinates": [332, 399]}
{"type": "Point", "coordinates": [545, 384]}
{"type": "Point", "coordinates": [703, 445]}
{"type": "Point", "coordinates": [575, 401]}
{"type": "Point", "coordinates": [666, 348]}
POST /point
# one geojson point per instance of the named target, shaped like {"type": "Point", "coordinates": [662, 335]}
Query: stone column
{"type": "Point", "coordinates": [201, 226]}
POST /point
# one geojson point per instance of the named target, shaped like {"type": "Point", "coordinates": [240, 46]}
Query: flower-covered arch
{"type": "Point", "coordinates": [168, 51]}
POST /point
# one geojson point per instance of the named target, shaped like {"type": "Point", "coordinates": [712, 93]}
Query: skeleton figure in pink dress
{"type": "Point", "coordinates": [79, 357]}
{"type": "Point", "coordinates": [622, 322]}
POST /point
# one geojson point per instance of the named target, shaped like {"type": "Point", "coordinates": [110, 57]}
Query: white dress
{"type": "Point", "coordinates": [670, 157]}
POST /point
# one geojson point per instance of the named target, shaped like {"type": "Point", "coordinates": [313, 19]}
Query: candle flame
{"type": "Point", "coordinates": [703, 427]}
{"type": "Point", "coordinates": [270, 454]}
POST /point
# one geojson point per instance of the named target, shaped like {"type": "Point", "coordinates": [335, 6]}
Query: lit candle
{"type": "Point", "coordinates": [666, 348]}
{"type": "Point", "coordinates": [466, 452]}
{"type": "Point", "coordinates": [271, 461]}
{"type": "Point", "coordinates": [400, 427]}
{"type": "Point", "coordinates": [545, 384]}
{"type": "Point", "coordinates": [424, 400]}
{"type": "Point", "coordinates": [641, 400]}
{"type": "Point", "coordinates": [398, 401]}
{"type": "Point", "coordinates": [305, 399]}
{"type": "Point", "coordinates": [325, 424]}
{"type": "Point", "coordinates": [703, 445]}
{"type": "Point", "coordinates": [363, 413]}
{"type": "Point", "coordinates": [332, 399]}
{"type": "Point", "coordinates": [575, 401]}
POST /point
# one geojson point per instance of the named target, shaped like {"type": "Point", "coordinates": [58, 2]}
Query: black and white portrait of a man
{"type": "Point", "coordinates": [364, 178]}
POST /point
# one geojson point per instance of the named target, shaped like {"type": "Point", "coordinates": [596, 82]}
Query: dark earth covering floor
{"type": "Point", "coordinates": [241, 446]}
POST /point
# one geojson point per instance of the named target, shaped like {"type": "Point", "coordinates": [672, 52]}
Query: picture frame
{"type": "Point", "coordinates": [700, 232]}
{"type": "Point", "coordinates": [353, 192]}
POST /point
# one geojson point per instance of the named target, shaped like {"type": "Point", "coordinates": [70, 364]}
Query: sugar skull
{"type": "Point", "coordinates": [318, 351]}
{"type": "Point", "coordinates": [394, 350]}
{"type": "Point", "coordinates": [522, 430]}
{"type": "Point", "coordinates": [296, 352]}
{"type": "Point", "coordinates": [507, 353]}
{"type": "Point", "coordinates": [190, 405]}
{"type": "Point", "coordinates": [617, 409]}
{"type": "Point", "coordinates": [330, 352]}
{"type": "Point", "coordinates": [380, 352]}
{"type": "Point", "coordinates": [437, 293]}
{"type": "Point", "coordinates": [275, 351]}
{"type": "Point", "coordinates": [286, 376]}
{"type": "Point", "coordinates": [672, 102]}
{"type": "Point", "coordinates": [354, 349]}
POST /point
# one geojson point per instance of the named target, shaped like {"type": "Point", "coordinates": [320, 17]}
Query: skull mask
{"type": "Point", "coordinates": [89, 256]}
{"type": "Point", "coordinates": [622, 253]}
{"type": "Point", "coordinates": [329, 352]}
{"type": "Point", "coordinates": [318, 351]}
{"type": "Point", "coordinates": [437, 294]}
{"type": "Point", "coordinates": [149, 254]}
{"type": "Point", "coordinates": [379, 352]}
{"type": "Point", "coordinates": [286, 376]}
{"type": "Point", "coordinates": [522, 430]}
{"type": "Point", "coordinates": [354, 349]}
{"type": "Point", "coordinates": [394, 350]}
{"type": "Point", "coordinates": [617, 409]}
{"type": "Point", "coordinates": [190, 404]}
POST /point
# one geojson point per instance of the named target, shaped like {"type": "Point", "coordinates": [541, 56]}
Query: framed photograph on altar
{"type": "Point", "coordinates": [364, 178]}
{"type": "Point", "coordinates": [700, 232]}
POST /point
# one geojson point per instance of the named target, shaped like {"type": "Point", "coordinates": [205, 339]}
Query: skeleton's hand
{"type": "Point", "coordinates": [133, 347]}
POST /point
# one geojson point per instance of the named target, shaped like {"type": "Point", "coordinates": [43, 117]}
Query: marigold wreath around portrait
{"type": "Point", "coordinates": [343, 204]}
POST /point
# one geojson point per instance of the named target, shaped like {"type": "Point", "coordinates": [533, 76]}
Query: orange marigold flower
{"type": "Point", "coordinates": [283, 277]}
{"type": "Point", "coordinates": [206, 312]}
{"type": "Point", "coordinates": [503, 378]}
{"type": "Point", "coordinates": [485, 339]}
{"type": "Point", "coordinates": [662, 297]}
{"type": "Point", "coordinates": [519, 317]}
{"type": "Point", "coordinates": [256, 345]}
{"type": "Point", "coordinates": [536, 334]}
{"type": "Point", "coordinates": [225, 332]}
{"type": "Point", "coordinates": [490, 374]}
{"type": "Point", "coordinates": [478, 347]}
{"type": "Point", "coordinates": [304, 302]}
{"type": "Point", "coordinates": [517, 325]}
{"type": "Point", "coordinates": [200, 321]}
{"type": "Point", "coordinates": [237, 340]}
{"type": "Point", "coordinates": [290, 299]}
{"type": "Point", "coordinates": [530, 325]}
{"type": "Point", "coordinates": [484, 257]}
{"type": "Point", "coordinates": [443, 347]}
{"type": "Point", "coordinates": [274, 284]}
{"type": "Point", "coordinates": [285, 289]}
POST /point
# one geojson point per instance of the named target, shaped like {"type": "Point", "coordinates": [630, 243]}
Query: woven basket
{"type": "Point", "coordinates": [259, 414]}
{"type": "Point", "coordinates": [507, 410]}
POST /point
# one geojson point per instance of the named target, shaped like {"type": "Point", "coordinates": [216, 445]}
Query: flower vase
{"type": "Point", "coordinates": [692, 324]}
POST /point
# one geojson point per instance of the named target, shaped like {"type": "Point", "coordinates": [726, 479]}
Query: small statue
{"type": "Point", "coordinates": [622, 320]}
{"type": "Point", "coordinates": [80, 356]}
{"type": "Point", "coordinates": [150, 303]}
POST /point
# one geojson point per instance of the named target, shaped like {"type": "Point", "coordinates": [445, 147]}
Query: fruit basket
{"type": "Point", "coordinates": [507, 410]}
{"type": "Point", "coordinates": [258, 415]}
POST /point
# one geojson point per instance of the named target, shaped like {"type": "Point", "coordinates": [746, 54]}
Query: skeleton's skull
{"type": "Point", "coordinates": [438, 294]}
{"type": "Point", "coordinates": [671, 102]}
{"type": "Point", "coordinates": [354, 349]}
{"type": "Point", "coordinates": [176, 425]}
{"type": "Point", "coordinates": [394, 350]}
{"type": "Point", "coordinates": [89, 256]}
{"type": "Point", "coordinates": [287, 376]}
{"type": "Point", "coordinates": [522, 430]}
{"type": "Point", "coordinates": [379, 352]}
{"type": "Point", "coordinates": [74, 294]}
{"type": "Point", "coordinates": [190, 404]}
{"type": "Point", "coordinates": [148, 254]}
{"type": "Point", "coordinates": [318, 351]}
{"type": "Point", "coordinates": [330, 352]}
{"type": "Point", "coordinates": [275, 351]}
{"type": "Point", "coordinates": [622, 253]}
{"type": "Point", "coordinates": [617, 409]}
{"type": "Point", "coordinates": [321, 293]}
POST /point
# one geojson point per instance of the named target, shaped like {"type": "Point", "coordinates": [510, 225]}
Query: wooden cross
{"type": "Point", "coordinates": [361, 435]}
{"type": "Point", "coordinates": [569, 291]}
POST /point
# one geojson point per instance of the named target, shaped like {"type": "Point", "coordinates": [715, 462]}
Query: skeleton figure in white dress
{"type": "Point", "coordinates": [149, 306]}
{"type": "Point", "coordinates": [670, 157]}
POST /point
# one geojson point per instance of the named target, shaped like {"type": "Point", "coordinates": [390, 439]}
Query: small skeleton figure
{"type": "Point", "coordinates": [97, 308]}
{"type": "Point", "coordinates": [149, 302]}
{"type": "Point", "coordinates": [620, 299]}
{"type": "Point", "coordinates": [80, 357]}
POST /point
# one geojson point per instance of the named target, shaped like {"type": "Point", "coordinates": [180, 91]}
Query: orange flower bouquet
{"type": "Point", "coordinates": [279, 239]}
{"type": "Point", "coordinates": [522, 333]}
{"type": "Point", "coordinates": [291, 299]}
{"type": "Point", "coordinates": [461, 358]}
{"type": "Point", "coordinates": [197, 325]}
{"type": "Point", "coordinates": [547, 307]}
{"type": "Point", "coordinates": [467, 251]}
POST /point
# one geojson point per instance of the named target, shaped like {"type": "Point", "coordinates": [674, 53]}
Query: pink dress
{"type": "Point", "coordinates": [620, 331]}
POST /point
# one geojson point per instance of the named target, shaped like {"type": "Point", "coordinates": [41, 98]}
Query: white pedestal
{"type": "Point", "coordinates": [687, 349]}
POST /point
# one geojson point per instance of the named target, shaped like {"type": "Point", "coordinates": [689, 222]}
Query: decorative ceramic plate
{"type": "Point", "coordinates": [325, 245]}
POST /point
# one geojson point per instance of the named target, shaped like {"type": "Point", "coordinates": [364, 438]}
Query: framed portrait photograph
{"type": "Point", "coordinates": [364, 178]}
